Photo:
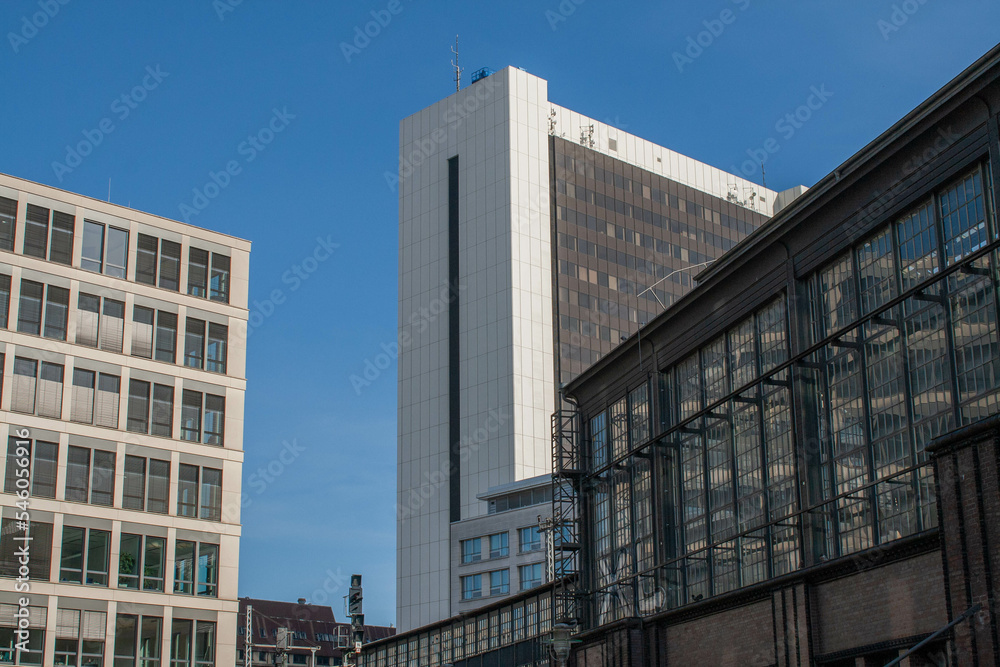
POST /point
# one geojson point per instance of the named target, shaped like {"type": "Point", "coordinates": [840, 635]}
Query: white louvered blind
{"type": "Point", "coordinates": [87, 317]}
{"type": "Point", "coordinates": [68, 623]}
{"type": "Point", "coordinates": [142, 332]}
{"type": "Point", "coordinates": [82, 407]}
{"type": "Point", "coordinates": [23, 398]}
{"type": "Point", "coordinates": [95, 625]}
{"type": "Point", "coordinates": [106, 403]}
{"type": "Point", "coordinates": [112, 325]}
{"type": "Point", "coordinates": [50, 390]}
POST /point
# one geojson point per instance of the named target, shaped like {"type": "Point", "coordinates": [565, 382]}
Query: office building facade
{"type": "Point", "coordinates": [797, 463]}
{"type": "Point", "coordinates": [529, 235]}
{"type": "Point", "coordinates": [122, 343]}
{"type": "Point", "coordinates": [802, 468]}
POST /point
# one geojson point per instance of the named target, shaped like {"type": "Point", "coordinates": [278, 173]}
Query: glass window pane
{"type": "Point", "coordinates": [153, 563]}
{"type": "Point", "coordinates": [115, 264]}
{"type": "Point", "coordinates": [197, 272]}
{"type": "Point", "coordinates": [208, 570]}
{"type": "Point", "coordinates": [170, 265]}
{"type": "Point", "coordinates": [92, 256]}
{"type": "Point", "coordinates": [187, 490]}
{"type": "Point", "coordinates": [129, 560]}
{"type": "Point", "coordinates": [103, 480]}
{"type": "Point", "coordinates": [184, 567]}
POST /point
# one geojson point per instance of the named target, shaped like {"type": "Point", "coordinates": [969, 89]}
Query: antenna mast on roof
{"type": "Point", "coordinates": [458, 70]}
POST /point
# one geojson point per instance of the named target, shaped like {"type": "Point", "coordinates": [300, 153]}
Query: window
{"type": "Point", "coordinates": [472, 587]}
{"type": "Point", "coordinates": [36, 231]}
{"type": "Point", "coordinates": [80, 637]}
{"type": "Point", "coordinates": [41, 458]}
{"type": "Point", "coordinates": [530, 575]}
{"type": "Point", "coordinates": [141, 562]}
{"type": "Point", "coordinates": [500, 582]}
{"type": "Point", "coordinates": [196, 568]}
{"type": "Point", "coordinates": [100, 482]}
{"type": "Point", "coordinates": [170, 265]}
{"type": "Point", "coordinates": [139, 407]}
{"type": "Point", "coordinates": [137, 641]}
{"type": "Point", "coordinates": [163, 411]}
{"type": "Point", "coordinates": [530, 539]}
{"type": "Point", "coordinates": [471, 550]}
{"type": "Point", "coordinates": [85, 553]}
{"type": "Point", "coordinates": [104, 253]}
{"type": "Point", "coordinates": [197, 272]}
{"type": "Point", "coordinates": [25, 374]}
{"type": "Point", "coordinates": [29, 316]}
{"type": "Point", "coordinates": [97, 327]}
{"type": "Point", "coordinates": [145, 259]}
{"type": "Point", "coordinates": [203, 647]}
{"type": "Point", "coordinates": [194, 343]}
{"type": "Point", "coordinates": [50, 390]}
{"type": "Point", "coordinates": [215, 411]}
{"type": "Point", "coordinates": [29, 312]}
{"type": "Point", "coordinates": [218, 335]}
{"type": "Point", "coordinates": [40, 535]}
{"type": "Point", "coordinates": [35, 642]}
{"type": "Point", "coordinates": [498, 545]}
{"type": "Point", "coordinates": [56, 312]}
{"type": "Point", "coordinates": [204, 483]}
{"type": "Point", "coordinates": [166, 337]}
{"type": "Point", "coordinates": [48, 400]}
{"type": "Point", "coordinates": [61, 243]}
{"type": "Point", "coordinates": [142, 331]}
{"type": "Point", "coordinates": [147, 484]}
{"type": "Point", "coordinates": [82, 402]}
{"type": "Point", "coordinates": [4, 299]}
{"type": "Point", "coordinates": [158, 488]}
{"type": "Point", "coordinates": [211, 494]}
{"type": "Point", "coordinates": [8, 219]}
{"type": "Point", "coordinates": [208, 570]}
{"type": "Point", "coordinates": [88, 319]}
{"type": "Point", "coordinates": [191, 417]}
{"type": "Point", "coordinates": [106, 403]}
{"type": "Point", "coordinates": [92, 257]}
{"type": "Point", "coordinates": [187, 490]}
{"type": "Point", "coordinates": [134, 491]}
{"type": "Point", "coordinates": [219, 287]}
{"type": "Point", "coordinates": [112, 325]}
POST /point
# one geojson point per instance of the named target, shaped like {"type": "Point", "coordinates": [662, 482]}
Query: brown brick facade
{"type": "Point", "coordinates": [966, 463]}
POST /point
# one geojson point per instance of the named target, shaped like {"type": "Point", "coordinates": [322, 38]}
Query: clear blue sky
{"type": "Point", "coordinates": [332, 508]}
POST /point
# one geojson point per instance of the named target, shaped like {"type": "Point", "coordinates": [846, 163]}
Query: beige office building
{"type": "Point", "coordinates": [123, 349]}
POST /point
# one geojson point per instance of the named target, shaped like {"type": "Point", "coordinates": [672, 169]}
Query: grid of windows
{"type": "Point", "coordinates": [903, 329]}
{"type": "Point", "coordinates": [619, 231]}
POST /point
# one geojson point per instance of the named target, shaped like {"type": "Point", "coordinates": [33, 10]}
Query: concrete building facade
{"type": "Point", "coordinates": [529, 235]}
{"type": "Point", "coordinates": [123, 349]}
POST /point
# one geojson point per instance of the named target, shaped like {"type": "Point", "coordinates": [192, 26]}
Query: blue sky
{"type": "Point", "coordinates": [221, 71]}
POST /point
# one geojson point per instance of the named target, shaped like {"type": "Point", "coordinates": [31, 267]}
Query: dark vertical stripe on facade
{"type": "Point", "coordinates": [454, 397]}
{"type": "Point", "coordinates": [554, 234]}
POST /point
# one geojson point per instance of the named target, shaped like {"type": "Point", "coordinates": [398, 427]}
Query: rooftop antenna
{"type": "Point", "coordinates": [109, 190]}
{"type": "Point", "coordinates": [763, 175]}
{"type": "Point", "coordinates": [458, 70]}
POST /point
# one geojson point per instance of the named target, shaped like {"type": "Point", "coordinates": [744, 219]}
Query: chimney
{"type": "Point", "coordinates": [302, 600]}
